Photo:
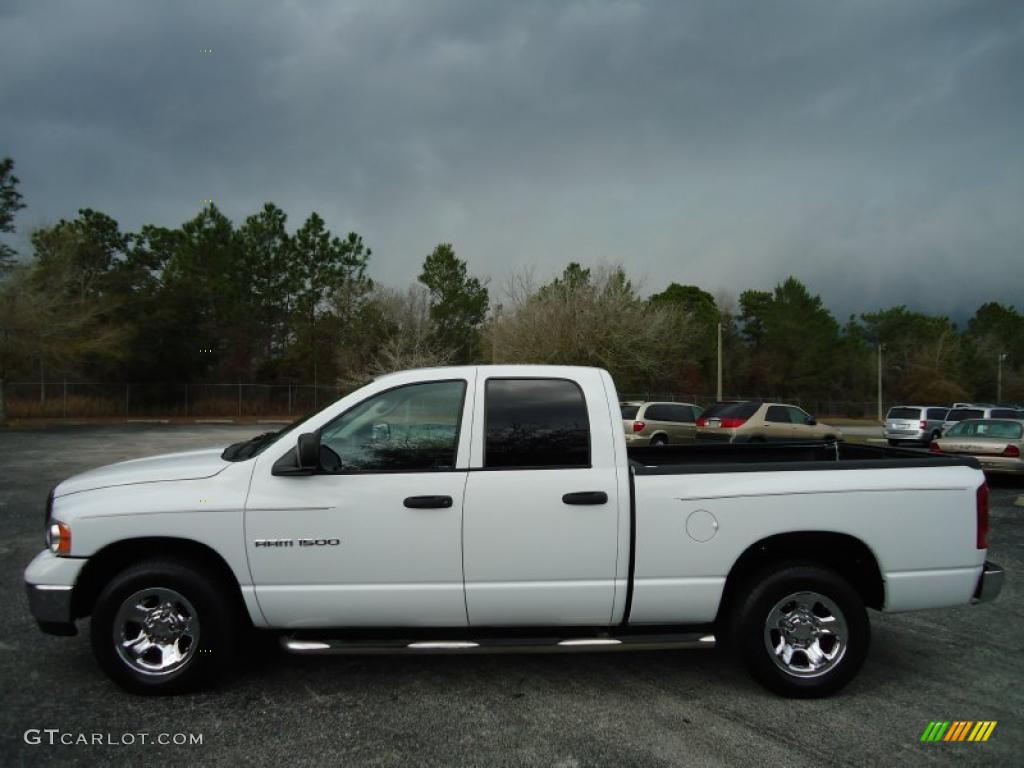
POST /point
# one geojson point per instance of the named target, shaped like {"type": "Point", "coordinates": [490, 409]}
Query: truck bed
{"type": "Point", "coordinates": [775, 457]}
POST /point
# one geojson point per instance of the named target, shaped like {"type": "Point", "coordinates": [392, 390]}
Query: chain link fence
{"type": "Point", "coordinates": [78, 399]}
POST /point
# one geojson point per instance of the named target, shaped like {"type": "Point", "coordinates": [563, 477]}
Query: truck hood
{"type": "Point", "coordinates": [187, 465]}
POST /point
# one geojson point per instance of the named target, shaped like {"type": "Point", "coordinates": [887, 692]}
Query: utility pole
{"type": "Point", "coordinates": [999, 378]}
{"type": "Point", "coordinates": [880, 348]}
{"type": "Point", "coordinates": [719, 362]}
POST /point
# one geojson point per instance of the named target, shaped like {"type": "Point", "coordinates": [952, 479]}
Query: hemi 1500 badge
{"type": "Point", "coordinates": [296, 542]}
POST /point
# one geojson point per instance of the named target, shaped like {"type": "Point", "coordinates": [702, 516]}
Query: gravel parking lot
{"type": "Point", "coordinates": [642, 709]}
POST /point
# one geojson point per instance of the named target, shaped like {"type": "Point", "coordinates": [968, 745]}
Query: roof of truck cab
{"type": "Point", "coordinates": [461, 370]}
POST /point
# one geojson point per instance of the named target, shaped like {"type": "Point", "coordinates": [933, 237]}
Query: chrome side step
{"type": "Point", "coordinates": [311, 645]}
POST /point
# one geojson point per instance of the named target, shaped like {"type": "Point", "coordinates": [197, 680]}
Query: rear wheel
{"type": "Point", "coordinates": [801, 630]}
{"type": "Point", "coordinates": [163, 626]}
{"type": "Point", "coordinates": [659, 440]}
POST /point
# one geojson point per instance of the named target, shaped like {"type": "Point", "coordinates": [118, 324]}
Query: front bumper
{"type": "Point", "coordinates": [989, 583]}
{"type": "Point", "coordinates": [49, 584]}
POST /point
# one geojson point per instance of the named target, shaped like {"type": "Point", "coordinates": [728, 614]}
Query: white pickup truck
{"type": "Point", "coordinates": [496, 508]}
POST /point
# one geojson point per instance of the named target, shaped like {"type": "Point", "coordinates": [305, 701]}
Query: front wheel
{"type": "Point", "coordinates": [802, 630]}
{"type": "Point", "coordinates": [163, 626]}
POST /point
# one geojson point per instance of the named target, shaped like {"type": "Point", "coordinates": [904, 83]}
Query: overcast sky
{"type": "Point", "coordinates": [873, 149]}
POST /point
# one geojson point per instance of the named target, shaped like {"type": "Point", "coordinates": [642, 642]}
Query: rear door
{"type": "Point", "coordinates": [778, 424]}
{"type": "Point", "coordinates": [541, 535]}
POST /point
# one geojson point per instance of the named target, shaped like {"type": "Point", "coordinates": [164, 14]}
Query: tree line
{"type": "Point", "coordinates": [211, 300]}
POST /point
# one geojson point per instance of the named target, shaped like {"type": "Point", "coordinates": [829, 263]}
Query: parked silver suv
{"type": "Point", "coordinates": [959, 412]}
{"type": "Point", "coordinates": [914, 423]}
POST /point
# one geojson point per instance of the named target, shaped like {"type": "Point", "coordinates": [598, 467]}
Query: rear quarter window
{"type": "Point", "coordinates": [1003, 413]}
{"type": "Point", "coordinates": [743, 410]}
{"type": "Point", "coordinates": [937, 414]}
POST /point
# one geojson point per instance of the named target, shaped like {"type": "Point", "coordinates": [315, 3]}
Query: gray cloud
{"type": "Point", "coordinates": [871, 148]}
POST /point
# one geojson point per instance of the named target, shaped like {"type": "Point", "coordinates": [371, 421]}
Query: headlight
{"type": "Point", "coordinates": [58, 538]}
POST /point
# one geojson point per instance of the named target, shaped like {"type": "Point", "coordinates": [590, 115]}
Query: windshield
{"type": "Point", "coordinates": [1001, 430]}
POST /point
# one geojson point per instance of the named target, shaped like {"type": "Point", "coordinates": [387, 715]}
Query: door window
{"type": "Point", "coordinates": [777, 414]}
{"type": "Point", "coordinates": [414, 428]}
{"type": "Point", "coordinates": [798, 416]}
{"type": "Point", "coordinates": [535, 423]}
{"type": "Point", "coordinates": [658, 413]}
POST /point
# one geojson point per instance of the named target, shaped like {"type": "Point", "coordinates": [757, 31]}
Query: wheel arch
{"type": "Point", "coordinates": [102, 566]}
{"type": "Point", "coordinates": [840, 552]}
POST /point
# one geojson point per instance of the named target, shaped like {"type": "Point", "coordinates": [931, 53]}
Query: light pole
{"type": "Point", "coordinates": [719, 362]}
{"type": "Point", "coordinates": [999, 378]}
{"type": "Point", "coordinates": [880, 348]}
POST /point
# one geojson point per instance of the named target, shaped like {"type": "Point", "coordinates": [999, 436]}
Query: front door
{"type": "Point", "coordinates": [541, 535]}
{"type": "Point", "coordinates": [375, 537]}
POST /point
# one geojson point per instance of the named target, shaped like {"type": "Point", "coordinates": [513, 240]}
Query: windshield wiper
{"type": "Point", "coordinates": [248, 448]}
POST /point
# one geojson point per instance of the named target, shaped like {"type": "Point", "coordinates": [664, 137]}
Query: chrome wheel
{"type": "Point", "coordinates": [806, 634]}
{"type": "Point", "coordinates": [156, 631]}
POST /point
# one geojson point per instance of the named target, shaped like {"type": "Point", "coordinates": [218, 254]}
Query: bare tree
{"type": "Point", "coordinates": [408, 341]}
{"type": "Point", "coordinates": [589, 318]}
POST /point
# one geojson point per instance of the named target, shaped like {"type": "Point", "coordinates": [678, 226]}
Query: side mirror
{"type": "Point", "coordinates": [381, 433]}
{"type": "Point", "coordinates": [308, 451]}
{"type": "Point", "coordinates": [811, 421]}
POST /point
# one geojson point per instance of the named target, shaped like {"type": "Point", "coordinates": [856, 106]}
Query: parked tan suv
{"type": "Point", "coordinates": [754, 422]}
{"type": "Point", "coordinates": [659, 423]}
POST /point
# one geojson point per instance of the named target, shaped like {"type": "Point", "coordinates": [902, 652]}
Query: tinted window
{"type": "Point", "coordinates": [778, 414]}
{"type": "Point", "coordinates": [959, 414]}
{"type": "Point", "coordinates": [535, 423]}
{"type": "Point", "coordinates": [682, 413]}
{"type": "Point", "coordinates": [657, 413]}
{"type": "Point", "coordinates": [937, 414]}
{"type": "Point", "coordinates": [1003, 413]}
{"type": "Point", "coordinates": [410, 428]}
{"type": "Point", "coordinates": [914, 414]}
{"type": "Point", "coordinates": [732, 410]}
{"type": "Point", "coordinates": [629, 411]}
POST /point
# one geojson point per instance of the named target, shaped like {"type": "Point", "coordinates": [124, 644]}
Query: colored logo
{"type": "Point", "coordinates": [958, 730]}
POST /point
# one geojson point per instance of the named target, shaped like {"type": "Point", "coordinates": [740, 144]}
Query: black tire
{"type": "Point", "coordinates": [659, 440]}
{"type": "Point", "coordinates": [757, 603]}
{"type": "Point", "coordinates": [830, 438]}
{"type": "Point", "coordinates": [894, 443]}
{"type": "Point", "coordinates": [214, 623]}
